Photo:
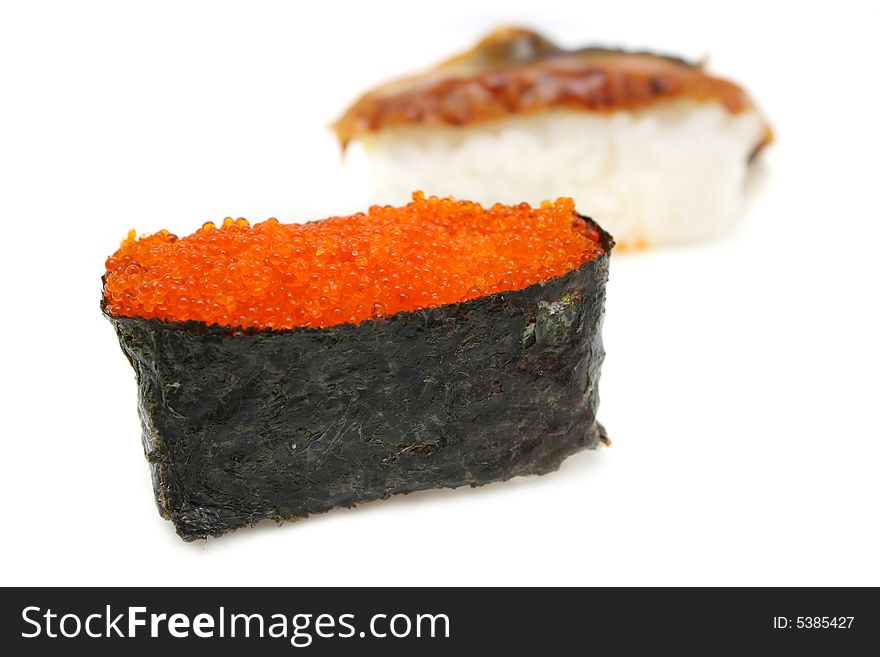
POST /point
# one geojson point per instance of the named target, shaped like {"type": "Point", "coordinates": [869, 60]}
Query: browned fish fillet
{"type": "Point", "coordinates": [517, 71]}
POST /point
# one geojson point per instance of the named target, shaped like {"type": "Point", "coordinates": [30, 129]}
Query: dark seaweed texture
{"type": "Point", "coordinates": [242, 426]}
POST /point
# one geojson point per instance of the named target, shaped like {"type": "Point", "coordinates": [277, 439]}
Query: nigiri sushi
{"type": "Point", "coordinates": [285, 370]}
{"type": "Point", "coordinates": [656, 147]}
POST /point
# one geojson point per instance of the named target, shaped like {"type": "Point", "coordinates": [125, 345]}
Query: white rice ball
{"type": "Point", "coordinates": [667, 174]}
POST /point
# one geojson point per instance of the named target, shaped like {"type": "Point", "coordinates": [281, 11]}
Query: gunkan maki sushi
{"type": "Point", "coordinates": [285, 370]}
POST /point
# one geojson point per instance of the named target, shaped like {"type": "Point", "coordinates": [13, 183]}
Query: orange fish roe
{"type": "Point", "coordinates": [430, 252]}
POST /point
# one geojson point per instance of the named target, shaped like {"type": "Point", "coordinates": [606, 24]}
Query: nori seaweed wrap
{"type": "Point", "coordinates": [245, 424]}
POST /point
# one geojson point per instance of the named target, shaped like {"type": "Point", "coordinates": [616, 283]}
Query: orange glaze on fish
{"type": "Point", "coordinates": [516, 71]}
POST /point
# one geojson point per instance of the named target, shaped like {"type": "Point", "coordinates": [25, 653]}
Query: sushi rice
{"type": "Point", "coordinates": [670, 173]}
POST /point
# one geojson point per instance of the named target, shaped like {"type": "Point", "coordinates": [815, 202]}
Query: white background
{"type": "Point", "coordinates": [741, 382]}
